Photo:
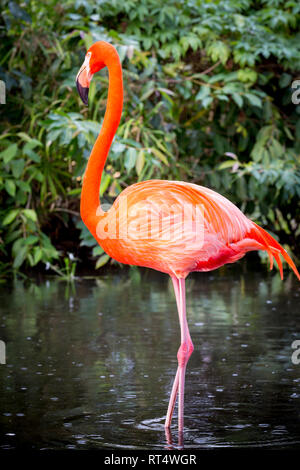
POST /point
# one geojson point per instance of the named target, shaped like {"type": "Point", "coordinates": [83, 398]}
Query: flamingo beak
{"type": "Point", "coordinates": [83, 79]}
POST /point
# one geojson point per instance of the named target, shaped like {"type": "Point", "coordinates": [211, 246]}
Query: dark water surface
{"type": "Point", "coordinates": [90, 365]}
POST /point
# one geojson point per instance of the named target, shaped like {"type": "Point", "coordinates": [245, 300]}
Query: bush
{"type": "Point", "coordinates": [208, 99]}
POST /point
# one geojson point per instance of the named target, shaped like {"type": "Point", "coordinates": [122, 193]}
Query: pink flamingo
{"type": "Point", "coordinates": [171, 226]}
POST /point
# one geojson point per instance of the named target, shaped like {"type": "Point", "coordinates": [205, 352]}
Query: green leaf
{"type": "Point", "coordinates": [207, 101]}
{"type": "Point", "coordinates": [239, 20]}
{"type": "Point", "coordinates": [130, 159]}
{"type": "Point", "coordinates": [28, 150]}
{"type": "Point", "coordinates": [105, 181]}
{"type": "Point", "coordinates": [257, 152]}
{"type": "Point", "coordinates": [242, 188]}
{"type": "Point", "coordinates": [247, 75]}
{"type": "Point", "coordinates": [253, 100]}
{"type": "Point", "coordinates": [17, 167]}
{"type": "Point", "coordinates": [24, 186]}
{"type": "Point", "coordinates": [218, 50]}
{"type": "Point", "coordinates": [221, 97]}
{"type": "Point", "coordinates": [20, 256]}
{"type": "Point", "coordinates": [97, 250]}
{"type": "Point", "coordinates": [37, 255]}
{"type": "Point", "coordinates": [226, 164]}
{"type": "Point", "coordinates": [202, 93]}
{"type": "Point", "coordinates": [10, 217]}
{"type": "Point", "coordinates": [74, 192]}
{"type": "Point", "coordinates": [31, 240]}
{"type": "Point", "coordinates": [285, 80]}
{"type": "Point", "coordinates": [9, 153]}
{"type": "Point", "coordinates": [160, 155]}
{"type": "Point", "coordinates": [276, 149]}
{"type": "Point", "coordinates": [18, 12]}
{"type": "Point", "coordinates": [243, 58]}
{"type": "Point", "coordinates": [32, 142]}
{"type": "Point", "coordinates": [10, 187]}
{"type": "Point", "coordinates": [102, 261]}
{"type": "Point", "coordinates": [264, 134]}
{"type": "Point", "coordinates": [30, 214]}
{"type": "Point", "coordinates": [237, 99]}
{"type": "Point", "coordinates": [140, 161]}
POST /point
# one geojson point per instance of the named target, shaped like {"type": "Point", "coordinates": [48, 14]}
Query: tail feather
{"type": "Point", "coordinates": [273, 248]}
{"type": "Point", "coordinates": [271, 261]}
{"type": "Point", "coordinates": [278, 261]}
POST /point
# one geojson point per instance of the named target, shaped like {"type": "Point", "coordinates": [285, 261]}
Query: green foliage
{"type": "Point", "coordinates": [208, 99]}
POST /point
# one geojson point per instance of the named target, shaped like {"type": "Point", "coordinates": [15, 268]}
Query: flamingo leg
{"type": "Point", "coordinates": [184, 352]}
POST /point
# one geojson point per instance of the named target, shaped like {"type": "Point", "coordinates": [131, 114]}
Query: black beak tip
{"type": "Point", "coordinates": [83, 92]}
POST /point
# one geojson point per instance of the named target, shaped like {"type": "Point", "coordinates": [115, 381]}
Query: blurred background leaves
{"type": "Point", "coordinates": [208, 99]}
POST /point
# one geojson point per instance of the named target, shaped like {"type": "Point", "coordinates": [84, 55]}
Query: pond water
{"type": "Point", "coordinates": [90, 364]}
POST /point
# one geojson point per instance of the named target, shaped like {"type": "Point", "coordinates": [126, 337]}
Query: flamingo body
{"type": "Point", "coordinates": [156, 224]}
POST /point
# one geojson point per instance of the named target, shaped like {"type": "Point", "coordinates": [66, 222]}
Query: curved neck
{"type": "Point", "coordinates": [90, 209]}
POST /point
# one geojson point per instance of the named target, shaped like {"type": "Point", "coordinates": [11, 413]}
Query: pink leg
{"type": "Point", "coordinates": [176, 380]}
{"type": "Point", "coordinates": [183, 355]}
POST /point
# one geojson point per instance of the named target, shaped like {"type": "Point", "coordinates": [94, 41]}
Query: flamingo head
{"type": "Point", "coordinates": [93, 62]}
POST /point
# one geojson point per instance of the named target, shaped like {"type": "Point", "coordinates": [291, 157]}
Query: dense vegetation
{"type": "Point", "coordinates": [210, 97]}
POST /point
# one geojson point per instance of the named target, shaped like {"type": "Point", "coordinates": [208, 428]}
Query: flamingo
{"type": "Point", "coordinates": [170, 226]}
